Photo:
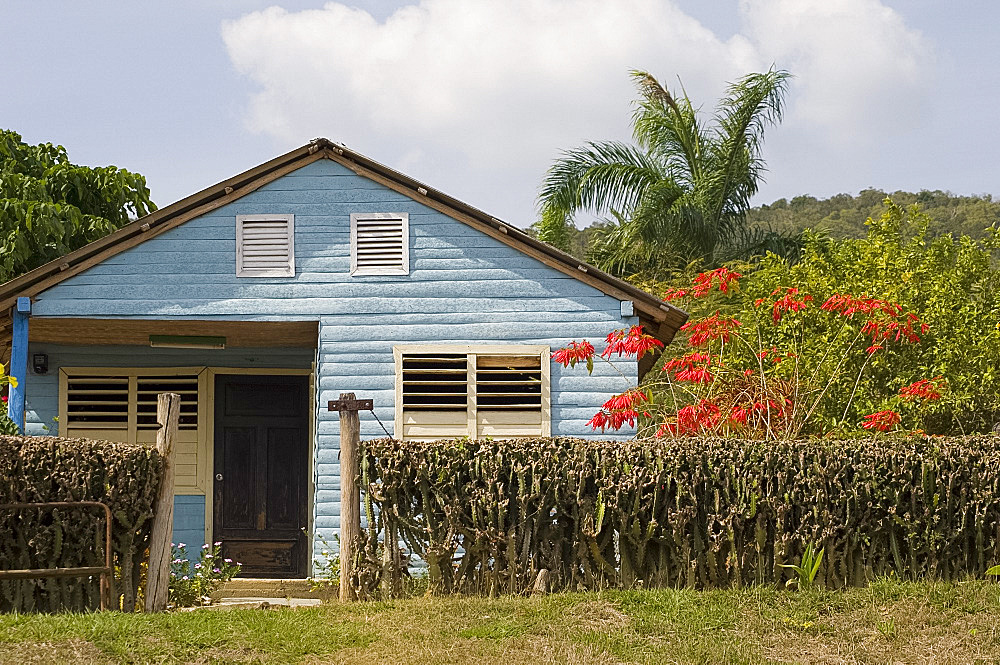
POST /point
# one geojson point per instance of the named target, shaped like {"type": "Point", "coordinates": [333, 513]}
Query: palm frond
{"type": "Point", "coordinates": [752, 104]}
{"type": "Point", "coordinates": [598, 178]}
{"type": "Point", "coordinates": [668, 128]}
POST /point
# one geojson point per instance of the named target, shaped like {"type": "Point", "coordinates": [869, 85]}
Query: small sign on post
{"type": "Point", "coordinates": [350, 496]}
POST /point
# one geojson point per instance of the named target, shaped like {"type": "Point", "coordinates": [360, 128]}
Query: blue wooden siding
{"type": "Point", "coordinates": [464, 287]}
{"type": "Point", "coordinates": [189, 523]}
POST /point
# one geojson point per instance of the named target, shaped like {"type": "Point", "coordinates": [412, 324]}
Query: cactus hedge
{"type": "Point", "coordinates": [487, 516]}
{"type": "Point", "coordinates": [40, 469]}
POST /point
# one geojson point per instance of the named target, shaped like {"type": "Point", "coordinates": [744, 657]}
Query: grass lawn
{"type": "Point", "coordinates": [886, 623]}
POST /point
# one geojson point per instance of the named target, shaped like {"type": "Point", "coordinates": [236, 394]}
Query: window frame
{"type": "Point", "coordinates": [363, 271]}
{"type": "Point", "coordinates": [287, 271]}
{"type": "Point", "coordinates": [473, 351]}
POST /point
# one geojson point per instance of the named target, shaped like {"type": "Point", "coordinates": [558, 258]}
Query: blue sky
{"type": "Point", "coordinates": [477, 98]}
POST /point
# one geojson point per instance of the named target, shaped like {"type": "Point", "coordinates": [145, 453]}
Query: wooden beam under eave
{"type": "Point", "coordinates": [136, 332]}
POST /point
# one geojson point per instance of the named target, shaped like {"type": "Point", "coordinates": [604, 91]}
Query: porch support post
{"type": "Point", "coordinates": [19, 362]}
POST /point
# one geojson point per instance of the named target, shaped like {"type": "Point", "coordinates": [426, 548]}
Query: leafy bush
{"type": "Point", "coordinates": [192, 583]}
{"type": "Point", "coordinates": [895, 331]}
{"type": "Point", "coordinates": [42, 469]}
{"type": "Point", "coordinates": [487, 516]}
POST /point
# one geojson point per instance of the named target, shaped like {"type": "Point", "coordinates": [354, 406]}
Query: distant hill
{"type": "Point", "coordinates": [844, 215]}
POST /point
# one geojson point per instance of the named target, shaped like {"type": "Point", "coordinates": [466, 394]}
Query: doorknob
{"type": "Point", "coordinates": [218, 477]}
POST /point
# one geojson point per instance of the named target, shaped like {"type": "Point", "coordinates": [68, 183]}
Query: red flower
{"type": "Point", "coordinates": [702, 284]}
{"type": "Point", "coordinates": [688, 367]}
{"type": "Point", "coordinates": [788, 302]}
{"type": "Point", "coordinates": [686, 362]}
{"type": "Point", "coordinates": [707, 329]}
{"type": "Point", "coordinates": [692, 419]}
{"type": "Point", "coordinates": [631, 342]}
{"type": "Point", "coordinates": [925, 389]}
{"type": "Point", "coordinates": [614, 419]}
{"type": "Point", "coordinates": [627, 400]}
{"type": "Point", "coordinates": [873, 348]}
{"type": "Point", "coordinates": [883, 421]}
{"type": "Point", "coordinates": [846, 305]}
{"type": "Point", "coordinates": [695, 375]}
{"type": "Point", "coordinates": [574, 353]}
{"type": "Point", "coordinates": [600, 420]}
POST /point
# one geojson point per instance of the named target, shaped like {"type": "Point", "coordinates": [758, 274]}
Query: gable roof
{"type": "Point", "coordinates": [660, 317]}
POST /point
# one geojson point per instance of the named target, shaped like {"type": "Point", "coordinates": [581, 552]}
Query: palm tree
{"type": "Point", "coordinates": [682, 192]}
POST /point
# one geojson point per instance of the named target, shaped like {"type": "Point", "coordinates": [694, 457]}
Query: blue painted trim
{"type": "Point", "coordinates": [19, 362]}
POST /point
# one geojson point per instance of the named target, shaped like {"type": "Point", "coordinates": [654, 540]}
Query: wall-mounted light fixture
{"type": "Point", "coordinates": [187, 342]}
{"type": "Point", "coordinates": [40, 363]}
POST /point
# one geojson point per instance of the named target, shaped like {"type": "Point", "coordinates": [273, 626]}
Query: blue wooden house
{"type": "Point", "coordinates": [263, 297]}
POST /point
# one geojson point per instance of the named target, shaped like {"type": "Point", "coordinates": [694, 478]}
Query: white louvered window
{"type": "Point", "coordinates": [380, 244]}
{"type": "Point", "coordinates": [265, 246]}
{"type": "Point", "coordinates": [119, 404]}
{"type": "Point", "coordinates": [475, 391]}
{"type": "Point", "coordinates": [121, 407]}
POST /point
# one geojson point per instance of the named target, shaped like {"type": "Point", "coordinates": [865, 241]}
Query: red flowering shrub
{"type": "Point", "coordinates": [843, 341]}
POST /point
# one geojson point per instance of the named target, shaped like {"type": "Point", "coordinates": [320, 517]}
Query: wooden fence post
{"type": "Point", "coordinates": [350, 497]}
{"type": "Point", "coordinates": [168, 411]}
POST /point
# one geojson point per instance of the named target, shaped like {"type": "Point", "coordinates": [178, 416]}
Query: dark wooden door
{"type": "Point", "coordinates": [261, 472]}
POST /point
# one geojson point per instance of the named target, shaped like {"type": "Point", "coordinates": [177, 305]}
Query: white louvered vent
{"type": "Point", "coordinates": [380, 244]}
{"type": "Point", "coordinates": [265, 246]}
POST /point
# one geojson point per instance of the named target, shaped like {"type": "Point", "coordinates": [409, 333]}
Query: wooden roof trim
{"type": "Point", "coordinates": [151, 225]}
{"type": "Point", "coordinates": [225, 192]}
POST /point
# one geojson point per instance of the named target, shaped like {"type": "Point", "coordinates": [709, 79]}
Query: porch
{"type": "Point", "coordinates": [246, 444]}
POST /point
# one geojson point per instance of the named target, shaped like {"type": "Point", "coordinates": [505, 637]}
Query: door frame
{"type": "Point", "coordinates": [211, 373]}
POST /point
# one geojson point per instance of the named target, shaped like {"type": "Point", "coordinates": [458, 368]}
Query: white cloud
{"type": "Point", "coordinates": [859, 69]}
{"type": "Point", "coordinates": [477, 97]}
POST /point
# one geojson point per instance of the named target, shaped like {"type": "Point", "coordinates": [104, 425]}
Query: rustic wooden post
{"type": "Point", "coordinates": [350, 496]}
{"type": "Point", "coordinates": [168, 411]}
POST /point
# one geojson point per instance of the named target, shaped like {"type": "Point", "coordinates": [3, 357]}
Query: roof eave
{"type": "Point", "coordinates": [668, 317]}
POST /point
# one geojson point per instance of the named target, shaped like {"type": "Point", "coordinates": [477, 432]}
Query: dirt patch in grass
{"type": "Point", "coordinates": [51, 653]}
{"type": "Point", "coordinates": [598, 615]}
{"type": "Point", "coordinates": [904, 633]}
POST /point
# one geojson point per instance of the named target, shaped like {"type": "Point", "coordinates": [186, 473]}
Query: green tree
{"type": "Point", "coordinates": [844, 215]}
{"type": "Point", "coordinates": [50, 206]}
{"type": "Point", "coordinates": [681, 193]}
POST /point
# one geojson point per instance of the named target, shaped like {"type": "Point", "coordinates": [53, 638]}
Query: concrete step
{"type": "Point", "coordinates": [245, 587]}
